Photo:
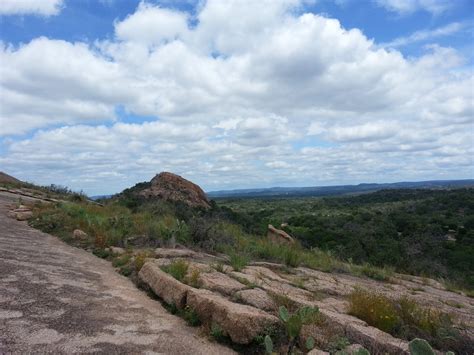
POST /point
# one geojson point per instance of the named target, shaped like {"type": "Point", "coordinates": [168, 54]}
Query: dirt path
{"type": "Point", "coordinates": [58, 299]}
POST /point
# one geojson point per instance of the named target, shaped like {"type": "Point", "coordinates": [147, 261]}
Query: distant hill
{"type": "Point", "coordinates": [338, 190]}
{"type": "Point", "coordinates": [8, 179]}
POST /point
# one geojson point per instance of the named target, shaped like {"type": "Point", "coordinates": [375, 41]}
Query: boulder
{"type": "Point", "coordinates": [173, 253]}
{"type": "Point", "coordinates": [164, 285]}
{"type": "Point", "coordinates": [256, 297]}
{"type": "Point", "coordinates": [318, 352]}
{"type": "Point", "coordinates": [117, 250]}
{"type": "Point", "coordinates": [79, 234]}
{"type": "Point", "coordinates": [353, 348]}
{"type": "Point", "coordinates": [22, 213]}
{"type": "Point", "coordinates": [279, 236]}
{"type": "Point", "coordinates": [217, 281]}
{"type": "Point", "coordinates": [241, 322]}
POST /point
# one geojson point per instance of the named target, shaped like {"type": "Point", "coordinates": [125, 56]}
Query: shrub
{"type": "Point", "coordinates": [178, 269]}
{"type": "Point", "coordinates": [420, 347]}
{"type": "Point", "coordinates": [139, 261]}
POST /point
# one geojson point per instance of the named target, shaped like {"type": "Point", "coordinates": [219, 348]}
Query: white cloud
{"type": "Point", "coordinates": [404, 7]}
{"type": "Point", "coordinates": [228, 103]}
{"type": "Point", "coordinates": [152, 25]}
{"type": "Point", "coordinates": [425, 35]}
{"type": "Point", "coordinates": [31, 7]}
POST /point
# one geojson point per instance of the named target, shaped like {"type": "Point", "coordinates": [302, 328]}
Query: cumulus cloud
{"type": "Point", "coordinates": [31, 7]}
{"type": "Point", "coordinates": [228, 100]}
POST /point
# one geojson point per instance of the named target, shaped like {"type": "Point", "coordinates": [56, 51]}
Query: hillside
{"type": "Point", "coordinates": [7, 179]}
{"type": "Point", "coordinates": [219, 269]}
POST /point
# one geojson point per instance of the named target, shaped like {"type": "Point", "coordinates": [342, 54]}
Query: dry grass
{"type": "Point", "coordinates": [405, 318]}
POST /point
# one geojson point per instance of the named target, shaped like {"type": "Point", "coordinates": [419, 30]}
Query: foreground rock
{"type": "Point", "coordinates": [22, 213]}
{"type": "Point", "coordinates": [241, 322]}
{"type": "Point", "coordinates": [79, 234]}
{"type": "Point", "coordinates": [174, 188]}
{"type": "Point", "coordinates": [164, 285]}
{"type": "Point", "coordinates": [57, 299]}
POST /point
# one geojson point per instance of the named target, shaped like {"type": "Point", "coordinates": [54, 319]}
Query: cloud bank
{"type": "Point", "coordinates": [245, 94]}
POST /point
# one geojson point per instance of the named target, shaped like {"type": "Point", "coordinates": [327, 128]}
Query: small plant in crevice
{"type": "Point", "coordinates": [238, 261]}
{"type": "Point", "coordinates": [420, 347]}
{"type": "Point", "coordinates": [216, 332]}
{"type": "Point", "coordinates": [191, 317]}
{"type": "Point", "coordinates": [294, 322]}
{"type": "Point", "coordinates": [194, 279]}
{"type": "Point", "coordinates": [178, 269]}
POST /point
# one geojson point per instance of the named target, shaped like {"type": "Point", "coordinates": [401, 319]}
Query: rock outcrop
{"type": "Point", "coordinates": [7, 179]}
{"type": "Point", "coordinates": [241, 322]}
{"type": "Point", "coordinates": [279, 236]}
{"type": "Point", "coordinates": [245, 304]}
{"type": "Point", "coordinates": [174, 188]}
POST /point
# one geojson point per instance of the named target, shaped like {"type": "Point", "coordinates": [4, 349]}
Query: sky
{"type": "Point", "coordinates": [98, 95]}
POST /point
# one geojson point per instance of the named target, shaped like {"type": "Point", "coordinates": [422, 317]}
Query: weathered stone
{"type": "Point", "coordinates": [173, 253]}
{"type": "Point", "coordinates": [23, 216]}
{"type": "Point", "coordinates": [318, 352]}
{"type": "Point", "coordinates": [278, 236]}
{"type": "Point", "coordinates": [217, 281]}
{"type": "Point", "coordinates": [353, 348]}
{"type": "Point", "coordinates": [21, 213]}
{"type": "Point", "coordinates": [241, 322]}
{"type": "Point", "coordinates": [256, 297]}
{"type": "Point", "coordinates": [117, 250]}
{"type": "Point", "coordinates": [79, 234]}
{"type": "Point", "coordinates": [164, 285]}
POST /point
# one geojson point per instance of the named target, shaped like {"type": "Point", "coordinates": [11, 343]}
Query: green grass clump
{"type": "Point", "coordinates": [178, 269]}
{"type": "Point", "coordinates": [376, 273]}
{"type": "Point", "coordinates": [216, 332]}
{"type": "Point", "coordinates": [121, 260]}
{"type": "Point", "coordinates": [238, 261]}
{"type": "Point", "coordinates": [191, 317]}
{"type": "Point", "coordinates": [405, 318]}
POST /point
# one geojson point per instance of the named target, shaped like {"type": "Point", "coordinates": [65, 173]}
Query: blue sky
{"type": "Point", "coordinates": [99, 95]}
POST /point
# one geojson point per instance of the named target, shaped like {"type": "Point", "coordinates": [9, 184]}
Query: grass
{"type": "Point", "coordinates": [194, 279]}
{"type": "Point", "coordinates": [238, 261]}
{"type": "Point", "coordinates": [376, 273]}
{"type": "Point", "coordinates": [217, 333]}
{"type": "Point", "coordinates": [405, 318]}
{"type": "Point", "coordinates": [178, 269]}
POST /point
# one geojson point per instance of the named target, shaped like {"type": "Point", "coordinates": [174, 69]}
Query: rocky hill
{"type": "Point", "coordinates": [174, 188]}
{"type": "Point", "coordinates": [7, 179]}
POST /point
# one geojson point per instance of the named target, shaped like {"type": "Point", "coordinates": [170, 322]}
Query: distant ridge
{"type": "Point", "coordinates": [340, 189]}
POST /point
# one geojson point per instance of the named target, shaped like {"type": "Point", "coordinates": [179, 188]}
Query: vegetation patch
{"type": "Point", "coordinates": [405, 318]}
{"type": "Point", "coordinates": [178, 269]}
